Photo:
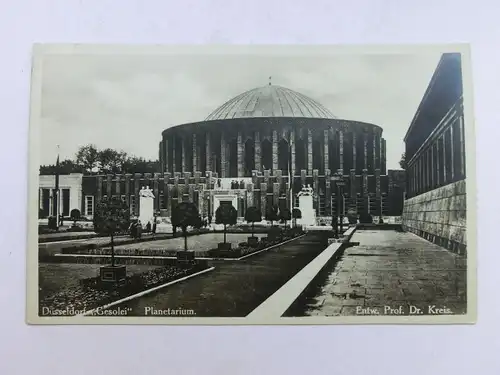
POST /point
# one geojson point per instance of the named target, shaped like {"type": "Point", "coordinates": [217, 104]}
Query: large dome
{"type": "Point", "coordinates": [270, 101]}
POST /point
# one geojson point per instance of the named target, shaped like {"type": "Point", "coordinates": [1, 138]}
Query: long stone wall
{"type": "Point", "coordinates": [439, 216]}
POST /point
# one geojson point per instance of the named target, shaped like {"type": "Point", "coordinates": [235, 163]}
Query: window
{"type": "Point", "coordinates": [89, 205]}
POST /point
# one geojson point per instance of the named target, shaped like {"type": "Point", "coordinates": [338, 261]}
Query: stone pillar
{"type": "Point", "coordinates": [309, 152]}
{"type": "Point", "coordinates": [183, 169]}
{"type": "Point", "coordinates": [276, 193]}
{"type": "Point", "coordinates": [374, 152]}
{"type": "Point", "coordinates": [275, 150]}
{"type": "Point", "coordinates": [165, 150]}
{"type": "Point", "coordinates": [99, 189]}
{"type": "Point", "coordinates": [166, 192]}
{"type": "Point", "coordinates": [352, 178]}
{"type": "Point", "coordinates": [341, 150]}
{"type": "Point", "coordinates": [438, 164]}
{"type": "Point", "coordinates": [170, 187]}
{"type": "Point", "coordinates": [109, 179]}
{"type": "Point", "coordinates": [315, 181]}
{"type": "Point", "coordinates": [239, 151]}
{"type": "Point", "coordinates": [222, 156]}
{"type": "Point", "coordinates": [365, 182]}
{"type": "Point", "coordinates": [191, 192]}
{"type": "Point", "coordinates": [325, 148]}
{"type": "Point", "coordinates": [197, 177]}
{"type": "Point", "coordinates": [377, 182]}
{"type": "Point", "coordinates": [292, 146]}
{"type": "Point", "coordinates": [117, 185]}
{"type": "Point", "coordinates": [174, 157]}
{"type": "Point", "coordinates": [137, 187]}
{"type": "Point", "coordinates": [365, 150]}
{"type": "Point", "coordinates": [354, 150]}
{"type": "Point", "coordinates": [208, 153]}
{"type": "Point", "coordinates": [257, 160]}
{"type": "Point", "coordinates": [128, 176]}
{"type": "Point", "coordinates": [263, 196]}
{"type": "Point", "coordinates": [249, 194]}
{"type": "Point", "coordinates": [461, 152]}
{"type": "Point", "coordinates": [195, 154]}
{"type": "Point", "coordinates": [328, 192]}
{"type": "Point", "coordinates": [452, 152]}
{"type": "Point", "coordinates": [156, 191]}
{"type": "Point", "coordinates": [444, 158]}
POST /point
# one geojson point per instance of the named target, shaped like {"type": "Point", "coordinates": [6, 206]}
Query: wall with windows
{"type": "Point", "coordinates": [70, 194]}
{"type": "Point", "coordinates": [435, 208]}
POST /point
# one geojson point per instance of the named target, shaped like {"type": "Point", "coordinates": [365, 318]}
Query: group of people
{"type": "Point", "coordinates": [135, 228]}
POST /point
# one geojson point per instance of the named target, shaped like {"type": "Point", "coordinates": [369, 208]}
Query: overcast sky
{"type": "Point", "coordinates": [125, 101]}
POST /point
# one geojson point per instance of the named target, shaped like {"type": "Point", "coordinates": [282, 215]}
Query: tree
{"type": "Point", "coordinates": [111, 161]}
{"type": "Point", "coordinates": [253, 215]}
{"type": "Point", "coordinates": [296, 214]}
{"type": "Point", "coordinates": [111, 216]}
{"type": "Point", "coordinates": [75, 215]}
{"type": "Point", "coordinates": [272, 214]}
{"type": "Point", "coordinates": [226, 214]}
{"type": "Point", "coordinates": [285, 215]}
{"type": "Point", "coordinates": [185, 215]}
{"type": "Point", "coordinates": [87, 158]}
{"type": "Point", "coordinates": [402, 162]}
{"type": "Point", "coordinates": [65, 167]}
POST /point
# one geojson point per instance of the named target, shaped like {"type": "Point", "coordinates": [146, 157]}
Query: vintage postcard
{"type": "Point", "coordinates": [251, 185]}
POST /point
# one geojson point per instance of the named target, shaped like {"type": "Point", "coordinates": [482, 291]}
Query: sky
{"type": "Point", "coordinates": [125, 100]}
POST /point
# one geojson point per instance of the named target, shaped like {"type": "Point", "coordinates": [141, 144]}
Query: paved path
{"type": "Point", "coordinates": [386, 274]}
{"type": "Point", "coordinates": [234, 289]}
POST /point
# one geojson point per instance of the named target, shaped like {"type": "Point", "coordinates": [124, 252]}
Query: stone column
{"type": "Point", "coordinates": [275, 150]}
{"type": "Point", "coordinates": [109, 179]}
{"type": "Point", "coordinates": [303, 174]}
{"type": "Point", "coordinates": [195, 154]}
{"type": "Point", "coordinates": [444, 158]}
{"type": "Point", "coordinates": [325, 148]}
{"type": "Point", "coordinates": [239, 151]}
{"type": "Point", "coordinates": [166, 192]}
{"type": "Point", "coordinates": [341, 150]}
{"type": "Point", "coordinates": [365, 182]}
{"type": "Point", "coordinates": [170, 187]}
{"type": "Point", "coordinates": [263, 196]}
{"type": "Point", "coordinates": [117, 186]}
{"type": "Point", "coordinates": [374, 166]}
{"type": "Point", "coordinates": [377, 182]}
{"type": "Point", "coordinates": [354, 150]}
{"type": "Point", "coordinates": [292, 146]}
{"type": "Point", "coordinates": [165, 150]}
{"type": "Point", "coordinates": [309, 152]}
{"type": "Point", "coordinates": [99, 189]}
{"type": "Point", "coordinates": [452, 154]}
{"type": "Point", "coordinates": [137, 187]}
{"type": "Point", "coordinates": [352, 177]}
{"type": "Point", "coordinates": [128, 176]}
{"type": "Point", "coordinates": [328, 192]}
{"type": "Point", "coordinates": [249, 194]}
{"type": "Point", "coordinates": [432, 165]}
{"type": "Point", "coordinates": [222, 156]}
{"type": "Point", "coordinates": [183, 155]}
{"type": "Point", "coordinates": [156, 191]}
{"type": "Point", "coordinates": [276, 193]}
{"type": "Point", "coordinates": [438, 164]}
{"type": "Point", "coordinates": [462, 146]}
{"type": "Point", "coordinates": [365, 150]}
{"type": "Point", "coordinates": [174, 158]}
{"type": "Point", "coordinates": [257, 160]}
{"type": "Point", "coordinates": [208, 153]}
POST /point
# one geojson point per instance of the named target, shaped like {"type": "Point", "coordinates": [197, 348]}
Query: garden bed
{"type": "Point", "coordinates": [91, 293]}
{"type": "Point", "coordinates": [245, 249]}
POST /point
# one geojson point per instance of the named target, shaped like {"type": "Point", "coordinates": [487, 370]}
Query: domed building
{"type": "Point", "coordinates": [259, 148]}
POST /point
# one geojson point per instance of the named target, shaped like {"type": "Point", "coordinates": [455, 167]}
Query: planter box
{"type": "Point", "coordinates": [113, 274]}
{"type": "Point", "coordinates": [224, 246]}
{"type": "Point", "coordinates": [253, 241]}
{"type": "Point", "coordinates": [185, 259]}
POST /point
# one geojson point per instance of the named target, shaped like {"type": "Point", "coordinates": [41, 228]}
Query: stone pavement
{"type": "Point", "coordinates": [391, 273]}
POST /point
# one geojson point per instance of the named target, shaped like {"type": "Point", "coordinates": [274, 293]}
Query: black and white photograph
{"type": "Point", "coordinates": [251, 185]}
